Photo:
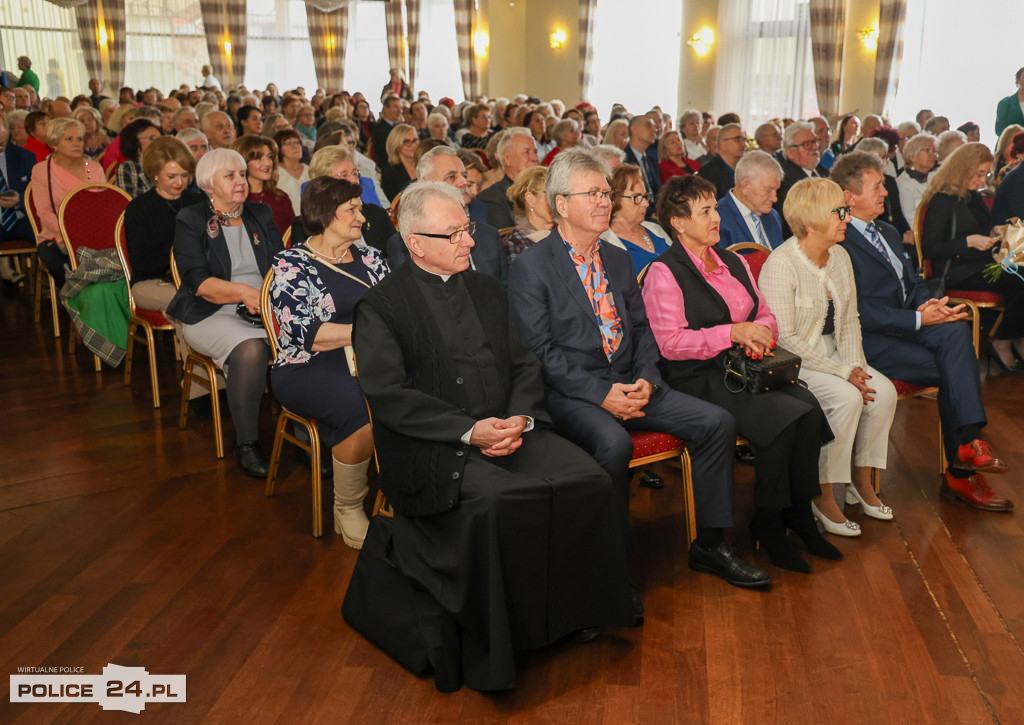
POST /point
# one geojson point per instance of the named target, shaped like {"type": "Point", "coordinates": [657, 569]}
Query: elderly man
{"type": "Point", "coordinates": [390, 116]}
{"type": "Point", "coordinates": [802, 157]}
{"type": "Point", "coordinates": [823, 132]}
{"type": "Point", "coordinates": [185, 117]}
{"type": "Point", "coordinates": [611, 155]}
{"type": "Point", "coordinates": [720, 170]}
{"type": "Point", "coordinates": [516, 151]}
{"type": "Point", "coordinates": [8, 100]}
{"type": "Point", "coordinates": [768, 137]}
{"type": "Point", "coordinates": [219, 130]}
{"type": "Point", "coordinates": [15, 173]}
{"type": "Point", "coordinates": [577, 304]}
{"type": "Point", "coordinates": [905, 336]}
{"type": "Point", "coordinates": [442, 164]}
{"type": "Point", "coordinates": [505, 537]}
{"type": "Point", "coordinates": [22, 98]}
{"type": "Point", "coordinates": [60, 109]}
{"type": "Point", "coordinates": [643, 152]}
{"type": "Point", "coordinates": [746, 211]}
{"type": "Point", "coordinates": [710, 143]}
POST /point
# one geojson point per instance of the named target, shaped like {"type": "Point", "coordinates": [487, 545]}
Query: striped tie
{"type": "Point", "coordinates": [762, 239]}
{"type": "Point", "coordinates": [8, 216]}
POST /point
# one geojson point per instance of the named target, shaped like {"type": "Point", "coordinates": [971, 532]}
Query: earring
{"type": "Point", "coordinates": [531, 208]}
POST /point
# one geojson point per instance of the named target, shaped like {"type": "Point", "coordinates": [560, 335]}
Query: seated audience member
{"type": "Point", "coordinates": [936, 125]}
{"type": "Point", "coordinates": [694, 147]}
{"type": "Point", "coordinates": [1002, 150]}
{"type": "Point", "coordinates": [800, 162]}
{"type": "Point", "coordinates": [1009, 110]}
{"type": "Point", "coordinates": [534, 122]}
{"type": "Point", "coordinates": [644, 240]}
{"type": "Point", "coordinates": [437, 127]}
{"type": "Point", "coordinates": [971, 130]}
{"type": "Point", "coordinates": [702, 300]}
{"type": "Point", "coordinates": [892, 213]}
{"type": "Point", "coordinates": [15, 173]}
{"type": "Point", "coordinates": [566, 135]}
{"type": "Point", "coordinates": [672, 159]}
{"type": "Point", "coordinates": [616, 134]}
{"type": "Point", "coordinates": [368, 174]}
{"type": "Point", "coordinates": [478, 127]}
{"type": "Point", "coordinates": [870, 123]}
{"type": "Point", "coordinates": [149, 220]}
{"type": "Point", "coordinates": [218, 128]}
{"type": "Point", "coordinates": [400, 170]}
{"type": "Point", "coordinates": [185, 117]}
{"type": "Point", "coordinates": [16, 126]}
{"type": "Point", "coordinates": [515, 534]}
{"type": "Point", "coordinates": [577, 305]}
{"type": "Point", "coordinates": [710, 143]}
{"type": "Point", "coordinates": [317, 283]}
{"type": "Point", "coordinates": [905, 335]}
{"type": "Point", "coordinates": [195, 140]}
{"type": "Point", "coordinates": [390, 117]}
{"type": "Point", "coordinates": [1013, 154]}
{"type": "Point", "coordinates": [35, 126]}
{"type": "Point", "coordinates": [746, 213]}
{"type": "Point", "coordinates": [493, 173]}
{"type": "Point", "coordinates": [488, 255]}
{"type": "Point", "coordinates": [274, 123]}
{"type": "Point", "coordinates": [134, 138]}
{"type": "Point", "coordinates": [949, 141]}
{"type": "Point", "coordinates": [768, 138]}
{"type": "Point", "coordinates": [516, 151]}
{"type": "Point", "coordinates": [955, 238]}
{"type": "Point", "coordinates": [611, 155]}
{"type": "Point", "coordinates": [642, 151]}
{"type": "Point", "coordinates": [1009, 199]}
{"type": "Point", "coordinates": [291, 172]}
{"type": "Point", "coordinates": [847, 134]}
{"type": "Point", "coordinates": [64, 170]}
{"type": "Point", "coordinates": [809, 285]}
{"type": "Point", "coordinates": [475, 171]}
{"type": "Point", "coordinates": [822, 132]}
{"type": "Point", "coordinates": [534, 219]}
{"type": "Point", "coordinates": [250, 121]}
{"type": "Point", "coordinates": [223, 248]}
{"type": "Point", "coordinates": [260, 156]}
{"type": "Point", "coordinates": [720, 170]}
{"type": "Point", "coordinates": [919, 157]}
{"type": "Point", "coordinates": [95, 139]}
{"type": "Point", "coordinates": [418, 118]}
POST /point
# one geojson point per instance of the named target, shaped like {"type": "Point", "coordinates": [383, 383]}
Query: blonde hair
{"type": "Point", "coordinates": [327, 158]}
{"type": "Point", "coordinates": [531, 179]}
{"type": "Point", "coordinates": [56, 129]}
{"type": "Point", "coordinates": [116, 121]}
{"type": "Point", "coordinates": [954, 176]}
{"type": "Point", "coordinates": [611, 128]}
{"type": "Point", "coordinates": [87, 111]}
{"type": "Point", "coordinates": [1006, 138]}
{"type": "Point", "coordinates": [394, 142]}
{"type": "Point", "coordinates": [809, 203]}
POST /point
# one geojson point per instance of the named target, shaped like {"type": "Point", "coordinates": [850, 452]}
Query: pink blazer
{"type": "Point", "coordinates": [62, 183]}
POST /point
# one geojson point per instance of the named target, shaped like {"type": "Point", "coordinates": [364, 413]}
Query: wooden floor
{"type": "Point", "coordinates": [124, 540]}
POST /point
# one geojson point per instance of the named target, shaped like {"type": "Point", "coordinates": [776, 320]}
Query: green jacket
{"type": "Point", "coordinates": [29, 78]}
{"type": "Point", "coordinates": [1008, 112]}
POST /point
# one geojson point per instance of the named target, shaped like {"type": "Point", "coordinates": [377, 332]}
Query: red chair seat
{"type": "Point", "coordinates": [905, 389]}
{"type": "Point", "coordinates": [978, 297]}
{"type": "Point", "coordinates": [647, 443]}
{"type": "Point", "coordinates": [153, 317]}
{"type": "Point", "coordinates": [17, 245]}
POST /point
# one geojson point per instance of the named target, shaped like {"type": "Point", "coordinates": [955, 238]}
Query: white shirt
{"type": "Point", "coordinates": [745, 213]}
{"type": "Point", "coordinates": [693, 149]}
{"type": "Point", "coordinates": [211, 81]}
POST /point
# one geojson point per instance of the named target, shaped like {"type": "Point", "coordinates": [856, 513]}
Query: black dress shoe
{"type": "Point", "coordinates": [637, 604]}
{"type": "Point", "coordinates": [724, 562]}
{"type": "Point", "coordinates": [652, 480]}
{"type": "Point", "coordinates": [250, 459]}
{"type": "Point", "coordinates": [326, 469]}
{"type": "Point", "coordinates": [745, 455]}
{"type": "Point", "coordinates": [588, 634]}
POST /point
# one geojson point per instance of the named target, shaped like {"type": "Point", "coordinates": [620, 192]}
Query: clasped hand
{"type": "Point", "coordinates": [935, 312]}
{"type": "Point", "coordinates": [498, 437]}
{"type": "Point", "coordinates": [859, 379]}
{"type": "Point", "coordinates": [756, 340]}
{"type": "Point", "coordinates": [9, 201]}
{"type": "Point", "coordinates": [626, 400]}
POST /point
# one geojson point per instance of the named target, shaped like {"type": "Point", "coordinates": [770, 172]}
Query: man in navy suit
{"type": "Point", "coordinates": [906, 337]}
{"type": "Point", "coordinates": [732, 143]}
{"type": "Point", "coordinates": [746, 212]}
{"type": "Point", "coordinates": [577, 305]}
{"type": "Point", "coordinates": [488, 255]}
{"type": "Point", "coordinates": [15, 173]}
{"type": "Point", "coordinates": [642, 151]}
{"type": "Point", "coordinates": [802, 156]}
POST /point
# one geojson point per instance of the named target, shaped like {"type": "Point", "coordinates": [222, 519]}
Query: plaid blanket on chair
{"type": "Point", "coordinates": [96, 298]}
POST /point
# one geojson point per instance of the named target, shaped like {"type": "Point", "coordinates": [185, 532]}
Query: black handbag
{"type": "Point", "coordinates": [775, 370]}
{"type": "Point", "coordinates": [253, 318]}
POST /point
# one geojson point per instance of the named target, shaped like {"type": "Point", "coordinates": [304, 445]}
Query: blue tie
{"type": "Point", "coordinates": [763, 240]}
{"type": "Point", "coordinates": [8, 216]}
{"type": "Point", "coordinates": [875, 237]}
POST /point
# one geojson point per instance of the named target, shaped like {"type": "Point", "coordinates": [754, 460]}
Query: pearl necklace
{"type": "Point", "coordinates": [328, 257]}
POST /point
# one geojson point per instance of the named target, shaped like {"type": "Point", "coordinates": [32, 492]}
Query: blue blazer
{"type": "Point", "coordinates": [879, 298]}
{"type": "Point", "coordinates": [651, 155]}
{"type": "Point", "coordinates": [555, 318]}
{"type": "Point", "coordinates": [488, 252]}
{"type": "Point", "coordinates": [19, 170]}
{"type": "Point", "coordinates": [734, 230]}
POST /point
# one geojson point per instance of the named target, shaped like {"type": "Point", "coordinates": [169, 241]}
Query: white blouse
{"type": "Point", "coordinates": [292, 186]}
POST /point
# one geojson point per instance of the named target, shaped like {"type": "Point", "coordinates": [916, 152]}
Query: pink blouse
{"type": "Point", "coordinates": [666, 311]}
{"type": "Point", "coordinates": [63, 182]}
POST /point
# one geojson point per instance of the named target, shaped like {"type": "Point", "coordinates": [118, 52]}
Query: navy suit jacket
{"type": "Point", "coordinates": [19, 170]}
{"type": "Point", "coordinates": [883, 310]}
{"type": "Point", "coordinates": [488, 252]}
{"type": "Point", "coordinates": [651, 156]}
{"type": "Point", "coordinates": [733, 229]}
{"type": "Point", "coordinates": [556, 319]}
{"type": "Point", "coordinates": [720, 174]}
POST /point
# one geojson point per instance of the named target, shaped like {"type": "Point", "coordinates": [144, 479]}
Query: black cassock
{"type": "Point", "coordinates": [504, 554]}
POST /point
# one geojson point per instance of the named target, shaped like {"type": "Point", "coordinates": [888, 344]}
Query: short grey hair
{"type": "Point", "coordinates": [14, 116]}
{"type": "Point", "coordinates": [151, 112]}
{"type": "Point", "coordinates": [192, 134]}
{"type": "Point", "coordinates": [917, 144]}
{"type": "Point", "coordinates": [948, 142]}
{"type": "Point", "coordinates": [107, 103]}
{"type": "Point", "coordinates": [506, 141]}
{"type": "Point", "coordinates": [908, 126]}
{"type": "Point", "coordinates": [687, 115]}
{"type": "Point", "coordinates": [561, 128]}
{"type": "Point", "coordinates": [214, 161]}
{"type": "Point", "coordinates": [606, 152]}
{"type": "Point", "coordinates": [793, 130]}
{"type": "Point", "coordinates": [875, 146]}
{"type": "Point", "coordinates": [412, 210]}
{"type": "Point", "coordinates": [425, 167]}
{"type": "Point", "coordinates": [204, 107]}
{"type": "Point", "coordinates": [730, 127]}
{"type": "Point", "coordinates": [764, 128]}
{"type": "Point", "coordinates": [566, 165]}
{"type": "Point", "coordinates": [753, 164]}
{"type": "Point", "coordinates": [434, 117]}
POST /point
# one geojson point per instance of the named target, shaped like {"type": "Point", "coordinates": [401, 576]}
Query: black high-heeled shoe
{"type": "Point", "coordinates": [801, 521]}
{"type": "Point", "coordinates": [767, 530]}
{"type": "Point", "coordinates": [994, 356]}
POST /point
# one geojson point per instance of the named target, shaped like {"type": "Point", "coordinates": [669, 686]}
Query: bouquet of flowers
{"type": "Point", "coordinates": [1010, 253]}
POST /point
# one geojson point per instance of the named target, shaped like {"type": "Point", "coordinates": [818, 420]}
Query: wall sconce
{"type": "Point", "coordinates": [558, 38]}
{"type": "Point", "coordinates": [481, 42]}
{"type": "Point", "coordinates": [101, 36]}
{"type": "Point", "coordinates": [869, 38]}
{"type": "Point", "coordinates": [227, 47]}
{"type": "Point", "coordinates": [701, 41]}
{"type": "Point", "coordinates": [331, 43]}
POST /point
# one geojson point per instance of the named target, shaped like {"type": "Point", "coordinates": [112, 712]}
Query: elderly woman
{"type": "Point", "coordinates": [16, 125]}
{"type": "Point", "coordinates": [919, 157]}
{"type": "Point", "coordinates": [397, 86]}
{"type": "Point", "coordinates": [223, 248]}
{"type": "Point", "coordinates": [565, 134]}
{"type": "Point", "coordinates": [690, 132]}
{"type": "Point", "coordinates": [949, 141]}
{"type": "Point", "coordinates": [955, 237]}
{"type": "Point", "coordinates": [437, 127]}
{"type": "Point", "coordinates": [809, 285]}
{"type": "Point", "coordinates": [672, 159]}
{"type": "Point", "coordinates": [149, 220]}
{"type": "Point", "coordinates": [642, 239]}
{"type": "Point", "coordinates": [65, 169]}
{"type": "Point", "coordinates": [401, 150]}
{"type": "Point", "coordinates": [291, 172]}
{"type": "Point", "coordinates": [95, 140]}
{"type": "Point", "coordinates": [134, 139]}
{"type": "Point", "coordinates": [260, 156]}
{"type": "Point", "coordinates": [702, 301]}
{"type": "Point", "coordinates": [316, 286]}
{"type": "Point", "coordinates": [533, 217]}
{"type": "Point", "coordinates": [847, 134]}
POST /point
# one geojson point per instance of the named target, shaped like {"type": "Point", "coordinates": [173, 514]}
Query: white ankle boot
{"type": "Point", "coordinates": [7, 272]}
{"type": "Point", "coordinates": [349, 491]}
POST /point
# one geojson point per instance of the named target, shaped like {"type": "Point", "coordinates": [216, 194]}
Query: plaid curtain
{"type": "Point", "coordinates": [108, 14]}
{"type": "Point", "coordinates": [465, 19]}
{"type": "Point", "coordinates": [412, 30]}
{"type": "Point", "coordinates": [587, 10]}
{"type": "Point", "coordinates": [328, 35]}
{"type": "Point", "coordinates": [225, 20]}
{"type": "Point", "coordinates": [889, 56]}
{"type": "Point", "coordinates": [828, 20]}
{"type": "Point", "coordinates": [396, 35]}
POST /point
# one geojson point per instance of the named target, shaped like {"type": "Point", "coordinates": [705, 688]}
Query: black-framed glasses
{"type": "Point", "coordinates": [841, 211]}
{"type": "Point", "coordinates": [595, 195]}
{"type": "Point", "coordinates": [453, 237]}
{"type": "Point", "coordinates": [806, 145]}
{"type": "Point", "coordinates": [638, 199]}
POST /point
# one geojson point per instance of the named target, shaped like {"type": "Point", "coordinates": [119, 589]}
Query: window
{"type": "Point", "coordinates": [437, 68]}
{"type": "Point", "coordinates": [49, 36]}
{"type": "Point", "coordinates": [278, 48]}
{"type": "Point", "coordinates": [366, 64]}
{"type": "Point", "coordinates": [164, 44]}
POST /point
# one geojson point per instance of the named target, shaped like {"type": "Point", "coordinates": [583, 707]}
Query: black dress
{"type": "Point", "coordinates": [394, 179]}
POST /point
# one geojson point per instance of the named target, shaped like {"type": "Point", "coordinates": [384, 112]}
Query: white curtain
{"type": "Point", "coordinates": [49, 36]}
{"type": "Point", "coordinates": [165, 44]}
{"type": "Point", "coordinates": [764, 67]}
{"type": "Point", "coordinates": [437, 64]}
{"type": "Point", "coordinates": [366, 67]}
{"type": "Point", "coordinates": [278, 46]}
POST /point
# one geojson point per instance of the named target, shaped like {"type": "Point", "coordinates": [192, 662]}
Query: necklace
{"type": "Point", "coordinates": [224, 217]}
{"type": "Point", "coordinates": [643, 237]}
{"type": "Point", "coordinates": [328, 257]}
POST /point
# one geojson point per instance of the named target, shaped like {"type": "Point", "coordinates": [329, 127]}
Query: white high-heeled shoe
{"type": "Point", "coordinates": [880, 512]}
{"type": "Point", "coordinates": [846, 528]}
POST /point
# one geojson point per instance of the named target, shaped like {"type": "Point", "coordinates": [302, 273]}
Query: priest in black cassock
{"type": "Point", "coordinates": [514, 534]}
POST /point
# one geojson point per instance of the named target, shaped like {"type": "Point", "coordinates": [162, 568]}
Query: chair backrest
{"type": "Point", "coordinates": [287, 238]}
{"type": "Point", "coordinates": [393, 209]}
{"type": "Point", "coordinates": [505, 231]}
{"type": "Point", "coordinates": [756, 256]}
{"type": "Point", "coordinates": [112, 170]}
{"type": "Point", "coordinates": [175, 277]}
{"type": "Point", "coordinates": [267, 314]}
{"type": "Point", "coordinates": [88, 217]}
{"type": "Point", "coordinates": [33, 212]}
{"type": "Point", "coordinates": [922, 264]}
{"type": "Point", "coordinates": [122, 254]}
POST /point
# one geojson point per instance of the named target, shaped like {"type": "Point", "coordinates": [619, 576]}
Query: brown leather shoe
{"type": "Point", "coordinates": [978, 455]}
{"type": "Point", "coordinates": [974, 491]}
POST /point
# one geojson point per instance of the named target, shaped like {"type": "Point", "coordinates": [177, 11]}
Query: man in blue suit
{"type": "Point", "coordinates": [721, 169]}
{"type": "Point", "coordinates": [15, 172]}
{"type": "Point", "coordinates": [577, 305]}
{"type": "Point", "coordinates": [642, 151]}
{"type": "Point", "coordinates": [906, 337]}
{"type": "Point", "coordinates": [746, 211]}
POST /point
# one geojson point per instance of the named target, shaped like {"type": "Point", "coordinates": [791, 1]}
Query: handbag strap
{"type": "Point", "coordinates": [49, 181]}
{"type": "Point", "coordinates": [314, 256]}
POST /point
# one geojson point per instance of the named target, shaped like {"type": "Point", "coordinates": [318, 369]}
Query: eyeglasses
{"type": "Point", "coordinates": [841, 211]}
{"type": "Point", "coordinates": [410, 142]}
{"type": "Point", "coordinates": [595, 195]}
{"type": "Point", "coordinates": [293, 142]}
{"type": "Point", "coordinates": [638, 199]}
{"type": "Point", "coordinates": [806, 145]}
{"type": "Point", "coordinates": [454, 237]}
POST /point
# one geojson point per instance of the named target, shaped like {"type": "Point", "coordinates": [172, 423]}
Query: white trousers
{"type": "Point", "coordinates": [861, 430]}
